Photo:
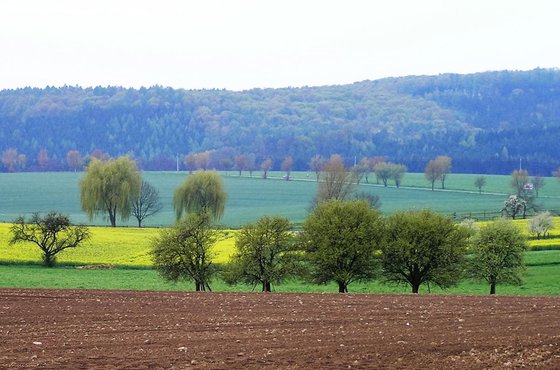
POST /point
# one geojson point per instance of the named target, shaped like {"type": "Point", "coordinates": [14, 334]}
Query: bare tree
{"type": "Point", "coordinates": [266, 165]}
{"type": "Point", "coordinates": [287, 165]}
{"type": "Point", "coordinates": [337, 182]}
{"type": "Point", "coordinates": [9, 159]}
{"type": "Point", "coordinates": [432, 172]}
{"type": "Point", "coordinates": [519, 178]}
{"type": "Point", "coordinates": [444, 164]}
{"type": "Point", "coordinates": [241, 163]}
{"type": "Point", "coordinates": [190, 162]}
{"type": "Point", "coordinates": [316, 165]}
{"type": "Point", "coordinates": [43, 159]}
{"type": "Point", "coordinates": [74, 160]}
{"type": "Point", "coordinates": [538, 183]}
{"type": "Point", "coordinates": [147, 204]}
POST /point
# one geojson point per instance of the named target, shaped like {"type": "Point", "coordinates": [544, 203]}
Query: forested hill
{"type": "Point", "coordinates": [484, 121]}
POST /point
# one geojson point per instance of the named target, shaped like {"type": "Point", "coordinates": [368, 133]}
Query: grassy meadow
{"type": "Point", "coordinates": [251, 197]}
{"type": "Point", "coordinates": [541, 278]}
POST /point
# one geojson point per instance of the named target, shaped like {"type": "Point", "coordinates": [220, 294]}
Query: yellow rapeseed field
{"type": "Point", "coordinates": [108, 246]}
{"type": "Point", "coordinates": [128, 246]}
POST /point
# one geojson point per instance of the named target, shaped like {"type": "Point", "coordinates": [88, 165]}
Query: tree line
{"type": "Point", "coordinates": [486, 122]}
{"type": "Point", "coordinates": [344, 239]}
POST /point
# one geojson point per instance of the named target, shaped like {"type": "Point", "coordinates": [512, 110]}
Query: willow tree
{"type": "Point", "coordinates": [201, 193]}
{"type": "Point", "coordinates": [109, 187]}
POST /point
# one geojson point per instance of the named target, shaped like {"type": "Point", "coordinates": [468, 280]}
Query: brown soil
{"type": "Point", "coordinates": [121, 329]}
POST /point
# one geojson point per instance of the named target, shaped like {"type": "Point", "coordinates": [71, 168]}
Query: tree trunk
{"type": "Point", "coordinates": [113, 218]}
{"type": "Point", "coordinates": [342, 287]}
{"type": "Point", "coordinates": [266, 286]}
{"type": "Point", "coordinates": [197, 285]}
{"type": "Point", "coordinates": [139, 223]}
{"type": "Point", "coordinates": [48, 259]}
{"type": "Point", "coordinates": [433, 185]}
{"type": "Point", "coordinates": [415, 288]}
{"type": "Point", "coordinates": [492, 288]}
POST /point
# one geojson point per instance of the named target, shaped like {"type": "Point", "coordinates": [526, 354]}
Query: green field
{"type": "Point", "coordinates": [541, 278]}
{"type": "Point", "coordinates": [126, 250]}
{"type": "Point", "coordinates": [250, 198]}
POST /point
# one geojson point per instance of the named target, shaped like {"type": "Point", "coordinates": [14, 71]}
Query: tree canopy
{"type": "Point", "coordinates": [423, 247]}
{"type": "Point", "coordinates": [110, 186]}
{"type": "Point", "coordinates": [484, 121]}
{"type": "Point", "coordinates": [203, 192]}
{"type": "Point", "coordinates": [184, 252]}
{"type": "Point", "coordinates": [264, 253]}
{"type": "Point", "coordinates": [341, 238]}
{"type": "Point", "coordinates": [497, 254]}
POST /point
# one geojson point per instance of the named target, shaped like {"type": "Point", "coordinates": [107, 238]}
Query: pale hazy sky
{"type": "Point", "coordinates": [240, 44]}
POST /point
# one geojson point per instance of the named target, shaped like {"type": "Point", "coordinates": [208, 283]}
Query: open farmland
{"type": "Point", "coordinates": [107, 329]}
{"type": "Point", "coordinates": [250, 198]}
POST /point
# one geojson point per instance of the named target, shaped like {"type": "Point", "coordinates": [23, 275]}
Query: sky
{"type": "Point", "coordinates": [243, 44]}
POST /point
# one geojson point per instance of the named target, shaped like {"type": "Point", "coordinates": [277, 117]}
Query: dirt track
{"type": "Point", "coordinates": [112, 329]}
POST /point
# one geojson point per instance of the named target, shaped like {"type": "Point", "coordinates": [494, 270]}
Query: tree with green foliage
{"type": "Point", "coordinates": [110, 186]}
{"type": "Point", "coordinates": [265, 253]}
{"type": "Point", "coordinates": [52, 233]}
{"type": "Point", "coordinates": [423, 247]}
{"type": "Point", "coordinates": [383, 172]}
{"type": "Point", "coordinates": [201, 193]}
{"type": "Point", "coordinates": [480, 182]}
{"type": "Point", "coordinates": [184, 252]}
{"type": "Point", "coordinates": [341, 239]}
{"type": "Point", "coordinates": [497, 254]}
{"type": "Point", "coordinates": [147, 203]}
{"type": "Point", "coordinates": [397, 173]}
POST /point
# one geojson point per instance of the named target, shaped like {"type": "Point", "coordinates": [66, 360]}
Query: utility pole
{"type": "Point", "coordinates": [177, 161]}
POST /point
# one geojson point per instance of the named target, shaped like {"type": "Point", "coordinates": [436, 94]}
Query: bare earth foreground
{"type": "Point", "coordinates": [121, 329]}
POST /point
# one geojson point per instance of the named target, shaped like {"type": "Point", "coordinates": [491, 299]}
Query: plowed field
{"type": "Point", "coordinates": [121, 329]}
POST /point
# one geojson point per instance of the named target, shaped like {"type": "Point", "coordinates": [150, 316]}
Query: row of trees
{"type": "Point", "coordinates": [342, 241]}
{"type": "Point", "coordinates": [346, 242]}
{"type": "Point", "coordinates": [477, 119]}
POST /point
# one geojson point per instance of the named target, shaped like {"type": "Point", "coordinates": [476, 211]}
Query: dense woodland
{"type": "Point", "coordinates": [485, 121]}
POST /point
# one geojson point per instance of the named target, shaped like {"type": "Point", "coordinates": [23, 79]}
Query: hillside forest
{"type": "Point", "coordinates": [486, 122]}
